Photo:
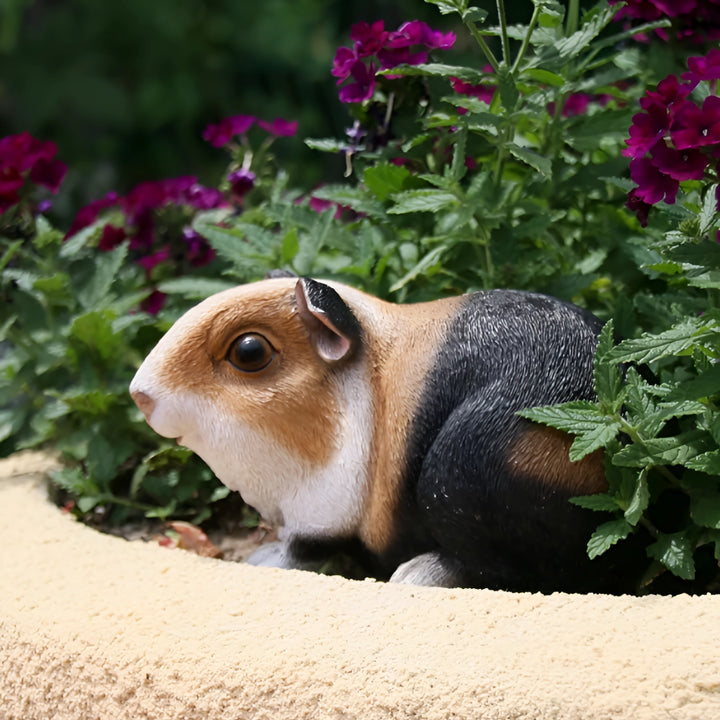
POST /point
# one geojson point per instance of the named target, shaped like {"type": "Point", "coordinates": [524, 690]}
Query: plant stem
{"type": "Point", "coordinates": [572, 18]}
{"type": "Point", "coordinates": [503, 31]}
{"type": "Point", "coordinates": [526, 39]}
{"type": "Point", "coordinates": [480, 40]}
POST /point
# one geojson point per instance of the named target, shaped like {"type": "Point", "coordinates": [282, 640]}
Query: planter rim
{"type": "Point", "coordinates": [92, 626]}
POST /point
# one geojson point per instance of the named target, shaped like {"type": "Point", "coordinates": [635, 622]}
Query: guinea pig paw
{"type": "Point", "coordinates": [274, 554]}
{"type": "Point", "coordinates": [430, 569]}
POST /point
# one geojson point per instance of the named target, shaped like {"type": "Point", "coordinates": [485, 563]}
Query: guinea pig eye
{"type": "Point", "coordinates": [250, 353]}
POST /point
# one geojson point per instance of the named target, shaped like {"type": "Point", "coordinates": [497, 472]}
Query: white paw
{"type": "Point", "coordinates": [275, 554]}
{"type": "Point", "coordinates": [427, 569]}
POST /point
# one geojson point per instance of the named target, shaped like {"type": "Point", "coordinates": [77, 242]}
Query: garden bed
{"type": "Point", "coordinates": [94, 626]}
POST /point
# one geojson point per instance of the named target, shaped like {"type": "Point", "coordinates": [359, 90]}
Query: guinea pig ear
{"type": "Point", "coordinates": [334, 330]}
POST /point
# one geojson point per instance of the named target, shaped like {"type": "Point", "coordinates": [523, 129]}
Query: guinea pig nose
{"type": "Point", "coordinates": [144, 402]}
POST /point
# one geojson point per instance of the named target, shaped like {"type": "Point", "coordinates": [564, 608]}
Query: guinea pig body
{"type": "Point", "coordinates": [342, 417]}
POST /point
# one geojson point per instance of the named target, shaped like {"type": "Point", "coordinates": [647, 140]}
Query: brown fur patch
{"type": "Point", "coordinates": [402, 340]}
{"type": "Point", "coordinates": [290, 400]}
{"type": "Point", "coordinates": [540, 453]}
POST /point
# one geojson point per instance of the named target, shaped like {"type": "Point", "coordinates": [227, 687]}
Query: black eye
{"type": "Point", "coordinates": [251, 353]}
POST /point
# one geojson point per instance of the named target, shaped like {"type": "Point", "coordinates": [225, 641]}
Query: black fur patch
{"type": "Point", "coordinates": [505, 351]}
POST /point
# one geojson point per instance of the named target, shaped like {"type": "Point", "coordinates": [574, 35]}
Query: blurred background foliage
{"type": "Point", "coordinates": [125, 89]}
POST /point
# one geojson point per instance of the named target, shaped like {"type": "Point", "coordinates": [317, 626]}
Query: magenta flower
{"type": "Point", "coordinates": [153, 260]}
{"type": "Point", "coordinates": [647, 129]}
{"type": "Point", "coordinates": [198, 253]}
{"type": "Point", "coordinates": [241, 181]}
{"type": "Point", "coordinates": [154, 302]}
{"type": "Point", "coordinates": [221, 134]}
{"type": "Point", "coordinates": [693, 20]}
{"type": "Point", "coordinates": [703, 68]}
{"type": "Point", "coordinates": [481, 92]}
{"type": "Point", "coordinates": [697, 127]}
{"type": "Point", "coordinates": [408, 45]}
{"type": "Point", "coordinates": [686, 164]}
{"type": "Point", "coordinates": [368, 39]}
{"type": "Point", "coordinates": [10, 183]}
{"type": "Point", "coordinates": [363, 84]}
{"type": "Point", "coordinates": [89, 214]}
{"type": "Point", "coordinates": [23, 157]}
{"type": "Point", "coordinates": [279, 127]}
{"type": "Point", "coordinates": [111, 237]}
{"type": "Point", "coordinates": [653, 185]}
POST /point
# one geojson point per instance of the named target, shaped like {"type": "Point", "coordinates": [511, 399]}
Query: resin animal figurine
{"type": "Point", "coordinates": [344, 419]}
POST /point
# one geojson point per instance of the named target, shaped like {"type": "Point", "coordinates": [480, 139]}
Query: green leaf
{"type": "Point", "coordinates": [602, 502]}
{"type": "Point", "coordinates": [608, 380]}
{"type": "Point", "coordinates": [576, 417]}
{"type": "Point", "coordinates": [607, 535]}
{"type": "Point", "coordinates": [678, 450]}
{"type": "Point", "coordinates": [195, 288]}
{"type": "Point", "coordinates": [352, 197]}
{"type": "Point", "coordinates": [422, 201]}
{"type": "Point", "coordinates": [675, 552]}
{"type": "Point", "coordinates": [326, 145]}
{"type": "Point", "coordinates": [708, 462]}
{"type": "Point", "coordinates": [704, 385]}
{"type": "Point", "coordinates": [438, 70]}
{"type": "Point", "coordinates": [428, 262]}
{"type": "Point", "coordinates": [600, 435]}
{"type": "Point", "coordinates": [538, 162]}
{"type": "Point", "coordinates": [705, 509]}
{"type": "Point", "coordinates": [95, 330]}
{"type": "Point", "coordinates": [640, 499]}
{"type": "Point", "coordinates": [107, 266]}
{"type": "Point", "coordinates": [385, 179]}
{"type": "Point", "coordinates": [675, 341]}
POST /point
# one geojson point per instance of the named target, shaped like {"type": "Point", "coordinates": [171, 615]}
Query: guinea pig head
{"type": "Point", "coordinates": [265, 382]}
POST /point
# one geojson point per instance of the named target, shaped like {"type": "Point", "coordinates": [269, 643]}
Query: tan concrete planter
{"type": "Point", "coordinates": [95, 627]}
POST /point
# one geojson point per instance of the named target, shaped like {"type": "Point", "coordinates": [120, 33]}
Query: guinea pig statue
{"type": "Point", "coordinates": [340, 417]}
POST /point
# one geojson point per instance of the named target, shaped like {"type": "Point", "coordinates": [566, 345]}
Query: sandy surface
{"type": "Point", "coordinates": [95, 627]}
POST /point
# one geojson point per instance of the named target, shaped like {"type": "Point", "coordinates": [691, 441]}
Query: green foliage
{"type": "Point", "coordinates": [445, 192]}
{"type": "Point", "coordinates": [72, 338]}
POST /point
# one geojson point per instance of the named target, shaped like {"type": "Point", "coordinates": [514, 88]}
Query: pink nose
{"type": "Point", "coordinates": [144, 402]}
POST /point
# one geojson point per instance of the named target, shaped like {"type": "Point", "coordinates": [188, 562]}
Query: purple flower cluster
{"type": "Point", "coordinates": [693, 20]}
{"type": "Point", "coordinates": [674, 139]}
{"type": "Point", "coordinates": [408, 45]}
{"type": "Point", "coordinates": [222, 133]}
{"type": "Point", "coordinates": [151, 240]}
{"type": "Point", "coordinates": [23, 157]}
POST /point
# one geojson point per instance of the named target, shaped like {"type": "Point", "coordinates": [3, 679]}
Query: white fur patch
{"type": "Point", "coordinates": [313, 501]}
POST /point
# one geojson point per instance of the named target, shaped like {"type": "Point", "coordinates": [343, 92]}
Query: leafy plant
{"type": "Point", "coordinates": [511, 170]}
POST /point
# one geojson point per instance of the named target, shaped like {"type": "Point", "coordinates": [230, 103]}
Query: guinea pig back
{"type": "Point", "coordinates": [340, 416]}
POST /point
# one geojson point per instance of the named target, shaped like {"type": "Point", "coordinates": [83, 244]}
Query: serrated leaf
{"type": "Point", "coordinates": [675, 552]}
{"type": "Point", "coordinates": [608, 380]}
{"type": "Point", "coordinates": [678, 450]}
{"type": "Point", "coordinates": [602, 502]}
{"type": "Point", "coordinates": [639, 501]}
{"type": "Point", "coordinates": [600, 435]}
{"type": "Point", "coordinates": [326, 145]}
{"type": "Point", "coordinates": [708, 462]}
{"type": "Point", "coordinates": [576, 417]}
{"type": "Point", "coordinates": [385, 179]}
{"type": "Point", "coordinates": [606, 535]}
{"type": "Point", "coordinates": [95, 330]}
{"type": "Point", "coordinates": [429, 261]}
{"type": "Point", "coordinates": [428, 200]}
{"type": "Point", "coordinates": [194, 287]}
{"type": "Point", "coordinates": [538, 162]}
{"type": "Point", "coordinates": [107, 266]}
{"type": "Point", "coordinates": [705, 509]}
{"type": "Point", "coordinates": [352, 197]}
{"type": "Point", "coordinates": [704, 385]}
{"type": "Point", "coordinates": [678, 339]}
{"type": "Point", "coordinates": [438, 70]}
